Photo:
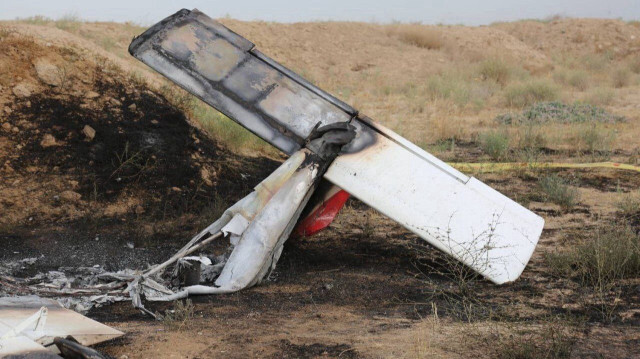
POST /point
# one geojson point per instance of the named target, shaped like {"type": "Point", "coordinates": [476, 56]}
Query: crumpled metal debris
{"type": "Point", "coordinates": [30, 325]}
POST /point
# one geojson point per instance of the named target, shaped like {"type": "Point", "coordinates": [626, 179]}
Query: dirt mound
{"type": "Point", "coordinates": [481, 42]}
{"type": "Point", "coordinates": [327, 51]}
{"type": "Point", "coordinates": [577, 36]}
{"type": "Point", "coordinates": [81, 139]}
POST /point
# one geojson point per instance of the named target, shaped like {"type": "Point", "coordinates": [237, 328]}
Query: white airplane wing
{"type": "Point", "coordinates": [457, 214]}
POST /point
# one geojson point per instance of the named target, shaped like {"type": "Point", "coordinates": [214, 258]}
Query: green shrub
{"type": "Point", "coordinates": [528, 93]}
{"type": "Point", "coordinates": [556, 190]}
{"type": "Point", "coordinates": [495, 144]}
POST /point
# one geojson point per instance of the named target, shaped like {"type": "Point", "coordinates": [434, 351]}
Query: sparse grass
{"type": "Point", "coordinates": [180, 317]}
{"type": "Point", "coordinates": [418, 35]}
{"type": "Point", "coordinates": [228, 132]}
{"type": "Point", "coordinates": [577, 79]}
{"type": "Point", "coordinates": [215, 123]}
{"type": "Point", "coordinates": [495, 143]}
{"type": "Point", "coordinates": [556, 190]}
{"type": "Point", "coordinates": [368, 223]}
{"type": "Point", "coordinates": [530, 92]}
{"type": "Point", "coordinates": [495, 69]}
{"type": "Point", "coordinates": [600, 261]}
{"type": "Point", "coordinates": [555, 342]}
{"type": "Point", "coordinates": [36, 20]}
{"type": "Point", "coordinates": [621, 77]}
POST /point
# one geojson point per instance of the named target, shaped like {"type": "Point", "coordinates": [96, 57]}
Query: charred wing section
{"type": "Point", "coordinates": [224, 70]}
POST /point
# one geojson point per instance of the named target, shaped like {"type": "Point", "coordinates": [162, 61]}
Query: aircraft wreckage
{"type": "Point", "coordinates": [334, 152]}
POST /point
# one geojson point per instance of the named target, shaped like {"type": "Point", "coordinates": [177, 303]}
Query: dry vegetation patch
{"type": "Point", "coordinates": [418, 35]}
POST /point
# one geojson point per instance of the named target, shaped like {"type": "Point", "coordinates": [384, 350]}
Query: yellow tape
{"type": "Point", "coordinates": [505, 166]}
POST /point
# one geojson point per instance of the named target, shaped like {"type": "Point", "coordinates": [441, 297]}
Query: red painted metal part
{"type": "Point", "coordinates": [322, 216]}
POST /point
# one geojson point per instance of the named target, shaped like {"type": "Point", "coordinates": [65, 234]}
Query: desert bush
{"type": "Point", "coordinates": [556, 190]}
{"type": "Point", "coordinates": [528, 93]}
{"type": "Point", "coordinates": [418, 35]}
{"type": "Point", "coordinates": [621, 77]}
{"type": "Point", "coordinates": [558, 112]}
{"type": "Point", "coordinates": [599, 96]}
{"type": "Point", "coordinates": [531, 136]}
{"type": "Point", "coordinates": [495, 70]}
{"type": "Point", "coordinates": [495, 143]}
{"type": "Point", "coordinates": [612, 253]}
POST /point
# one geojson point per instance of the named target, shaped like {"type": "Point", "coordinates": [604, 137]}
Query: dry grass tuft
{"type": "Point", "coordinates": [180, 317]}
{"type": "Point", "coordinates": [496, 70]}
{"type": "Point", "coordinates": [621, 77]}
{"type": "Point", "coordinates": [599, 96]}
{"type": "Point", "coordinates": [577, 79]}
{"type": "Point", "coordinates": [418, 35]}
{"type": "Point", "coordinates": [555, 341]}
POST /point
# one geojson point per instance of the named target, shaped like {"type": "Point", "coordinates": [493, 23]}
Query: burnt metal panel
{"type": "Point", "coordinates": [225, 71]}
